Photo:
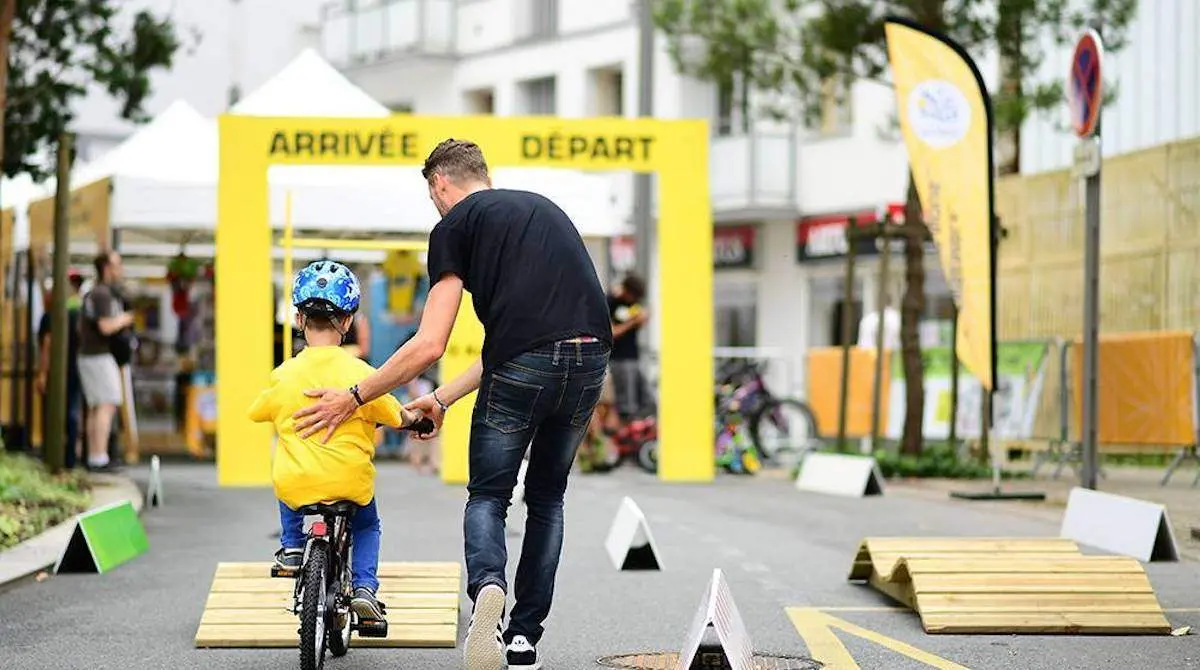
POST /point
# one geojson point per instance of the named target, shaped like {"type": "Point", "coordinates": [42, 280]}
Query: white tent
{"type": "Point", "coordinates": [165, 175]}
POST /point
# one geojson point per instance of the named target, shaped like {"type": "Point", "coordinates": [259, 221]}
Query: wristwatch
{"type": "Point", "coordinates": [442, 405]}
{"type": "Point", "coordinates": [357, 398]}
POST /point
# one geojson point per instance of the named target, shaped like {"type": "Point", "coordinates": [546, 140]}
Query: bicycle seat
{"type": "Point", "coordinates": [339, 508]}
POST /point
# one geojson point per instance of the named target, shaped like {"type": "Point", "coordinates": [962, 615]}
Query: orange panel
{"type": "Point", "coordinates": [825, 386]}
{"type": "Point", "coordinates": [1146, 382]}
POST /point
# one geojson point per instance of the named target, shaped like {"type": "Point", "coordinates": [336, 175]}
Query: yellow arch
{"type": "Point", "coordinates": [676, 150]}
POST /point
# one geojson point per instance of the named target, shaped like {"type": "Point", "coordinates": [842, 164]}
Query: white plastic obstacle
{"type": "Point", "coordinates": [154, 494]}
{"type": "Point", "coordinates": [840, 475]}
{"type": "Point", "coordinates": [1122, 525]}
{"type": "Point", "coordinates": [719, 616]}
{"type": "Point", "coordinates": [630, 544]}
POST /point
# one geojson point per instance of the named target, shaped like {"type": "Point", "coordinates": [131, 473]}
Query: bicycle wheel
{"type": "Point", "coordinates": [647, 456]}
{"type": "Point", "coordinates": [782, 425]}
{"type": "Point", "coordinates": [339, 615]}
{"type": "Point", "coordinates": [313, 605]}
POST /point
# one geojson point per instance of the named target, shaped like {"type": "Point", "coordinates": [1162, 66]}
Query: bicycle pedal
{"type": "Point", "coordinates": [372, 628]}
{"type": "Point", "coordinates": [284, 573]}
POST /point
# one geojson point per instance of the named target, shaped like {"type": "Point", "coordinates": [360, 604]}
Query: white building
{"type": "Point", "coordinates": [781, 196]}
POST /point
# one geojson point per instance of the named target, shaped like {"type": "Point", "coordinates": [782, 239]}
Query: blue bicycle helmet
{"type": "Point", "coordinates": [326, 288]}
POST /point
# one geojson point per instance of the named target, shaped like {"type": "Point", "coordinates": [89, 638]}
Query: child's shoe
{"type": "Point", "coordinates": [365, 605]}
{"type": "Point", "coordinates": [289, 559]}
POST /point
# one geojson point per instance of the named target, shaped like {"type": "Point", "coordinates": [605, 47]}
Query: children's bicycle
{"type": "Point", "coordinates": [323, 587]}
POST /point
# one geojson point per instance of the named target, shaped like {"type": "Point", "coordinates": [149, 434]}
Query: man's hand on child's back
{"type": "Point", "coordinates": [333, 408]}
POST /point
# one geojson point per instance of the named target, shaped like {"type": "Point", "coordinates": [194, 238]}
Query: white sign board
{"type": "Point", "coordinates": [154, 496]}
{"type": "Point", "coordinates": [1121, 525]}
{"type": "Point", "coordinates": [719, 611]}
{"type": "Point", "coordinates": [840, 475]}
{"type": "Point", "coordinates": [630, 545]}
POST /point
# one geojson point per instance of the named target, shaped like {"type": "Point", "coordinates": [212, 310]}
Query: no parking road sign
{"type": "Point", "coordinates": [1085, 84]}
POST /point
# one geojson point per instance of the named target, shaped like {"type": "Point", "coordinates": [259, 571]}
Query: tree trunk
{"type": "Point", "coordinates": [912, 307]}
{"type": "Point", "coordinates": [7, 11]}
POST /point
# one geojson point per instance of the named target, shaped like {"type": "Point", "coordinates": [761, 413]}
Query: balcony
{"type": "Point", "coordinates": [369, 31]}
{"type": "Point", "coordinates": [753, 176]}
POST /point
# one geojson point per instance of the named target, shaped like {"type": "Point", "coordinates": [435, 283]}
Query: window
{"type": "Point", "coordinates": [735, 307]}
{"type": "Point", "coordinates": [724, 124]}
{"type": "Point", "coordinates": [606, 92]}
{"type": "Point", "coordinates": [482, 101]}
{"type": "Point", "coordinates": [836, 116]}
{"type": "Point", "coordinates": [537, 19]}
{"type": "Point", "coordinates": [538, 96]}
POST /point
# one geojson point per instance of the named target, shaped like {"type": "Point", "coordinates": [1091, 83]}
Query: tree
{"type": "Point", "coordinates": [811, 44]}
{"type": "Point", "coordinates": [721, 42]}
{"type": "Point", "coordinates": [54, 51]}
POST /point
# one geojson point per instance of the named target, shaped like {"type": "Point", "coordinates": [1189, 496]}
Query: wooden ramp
{"type": "Point", "coordinates": [1011, 585]}
{"type": "Point", "coordinates": [248, 608]}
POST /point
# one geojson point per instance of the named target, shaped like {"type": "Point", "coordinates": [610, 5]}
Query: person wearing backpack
{"type": "Point", "coordinates": [105, 334]}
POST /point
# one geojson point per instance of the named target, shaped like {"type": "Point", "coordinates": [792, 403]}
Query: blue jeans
{"type": "Point", "coordinates": [541, 400]}
{"type": "Point", "coordinates": [364, 539]}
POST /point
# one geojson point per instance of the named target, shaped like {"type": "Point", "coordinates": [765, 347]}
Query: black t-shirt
{"type": "Point", "coordinates": [524, 263]}
{"type": "Point", "coordinates": [625, 347]}
{"type": "Point", "coordinates": [72, 341]}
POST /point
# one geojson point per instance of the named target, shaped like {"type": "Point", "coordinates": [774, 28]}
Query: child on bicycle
{"type": "Point", "coordinates": [306, 471]}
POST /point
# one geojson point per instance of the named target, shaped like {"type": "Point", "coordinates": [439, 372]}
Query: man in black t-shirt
{"type": "Point", "coordinates": [628, 315]}
{"type": "Point", "coordinates": [74, 391]}
{"type": "Point", "coordinates": [547, 337]}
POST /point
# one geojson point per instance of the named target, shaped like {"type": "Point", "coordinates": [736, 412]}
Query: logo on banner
{"type": "Point", "coordinates": [939, 113]}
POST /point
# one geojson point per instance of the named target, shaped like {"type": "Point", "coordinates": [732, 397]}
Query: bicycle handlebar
{"type": "Point", "coordinates": [422, 426]}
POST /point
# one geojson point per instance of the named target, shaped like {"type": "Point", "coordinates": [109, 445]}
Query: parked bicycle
{"type": "Point", "coordinates": [778, 427]}
{"type": "Point", "coordinates": [323, 590]}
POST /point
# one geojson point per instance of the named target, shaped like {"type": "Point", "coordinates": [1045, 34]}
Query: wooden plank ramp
{"type": "Point", "coordinates": [1011, 586]}
{"type": "Point", "coordinates": [246, 607]}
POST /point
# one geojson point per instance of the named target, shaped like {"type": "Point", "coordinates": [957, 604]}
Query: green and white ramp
{"type": "Point", "coordinates": [103, 539]}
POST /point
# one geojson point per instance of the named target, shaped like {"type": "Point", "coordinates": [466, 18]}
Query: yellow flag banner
{"type": "Point", "coordinates": [946, 118]}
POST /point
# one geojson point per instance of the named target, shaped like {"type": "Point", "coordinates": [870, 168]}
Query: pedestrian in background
{"type": "Point", "coordinates": [74, 399]}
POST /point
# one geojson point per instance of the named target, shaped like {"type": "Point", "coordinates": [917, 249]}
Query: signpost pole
{"type": "Point", "coordinates": [1086, 102]}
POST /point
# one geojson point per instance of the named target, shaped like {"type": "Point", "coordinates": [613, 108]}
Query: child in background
{"type": "Point", "coordinates": [306, 471]}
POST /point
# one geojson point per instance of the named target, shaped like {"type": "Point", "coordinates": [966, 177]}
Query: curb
{"type": "Point", "coordinates": [42, 551]}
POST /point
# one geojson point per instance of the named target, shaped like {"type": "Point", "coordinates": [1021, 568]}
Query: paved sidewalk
{"type": "Point", "coordinates": [1181, 500]}
{"type": "Point", "coordinates": [42, 552]}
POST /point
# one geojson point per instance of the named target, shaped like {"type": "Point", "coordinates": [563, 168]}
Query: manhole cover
{"type": "Point", "coordinates": [660, 660]}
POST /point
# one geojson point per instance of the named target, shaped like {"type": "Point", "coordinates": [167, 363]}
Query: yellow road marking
{"type": "Point", "coordinates": [816, 629]}
{"type": "Point", "coordinates": [862, 608]}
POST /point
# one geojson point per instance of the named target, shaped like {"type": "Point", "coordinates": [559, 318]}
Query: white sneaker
{"type": "Point", "coordinates": [522, 655]}
{"type": "Point", "coordinates": [484, 647]}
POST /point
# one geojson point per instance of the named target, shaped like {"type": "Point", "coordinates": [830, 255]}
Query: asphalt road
{"type": "Point", "coordinates": [779, 548]}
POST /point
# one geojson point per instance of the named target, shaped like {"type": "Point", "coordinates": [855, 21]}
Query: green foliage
{"type": "Point", "coordinates": [32, 500]}
{"type": "Point", "coordinates": [61, 47]}
{"type": "Point", "coordinates": [794, 51]}
{"type": "Point", "coordinates": [721, 42]}
{"type": "Point", "coordinates": [935, 460]}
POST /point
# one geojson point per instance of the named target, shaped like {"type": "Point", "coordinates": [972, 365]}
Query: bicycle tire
{"type": "Point", "coordinates": [312, 609]}
{"type": "Point", "coordinates": [768, 454]}
{"type": "Point", "coordinates": [340, 631]}
{"type": "Point", "coordinates": [647, 456]}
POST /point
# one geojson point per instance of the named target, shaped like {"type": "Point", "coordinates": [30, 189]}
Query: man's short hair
{"type": "Point", "coordinates": [634, 286]}
{"type": "Point", "coordinates": [102, 260]}
{"type": "Point", "coordinates": [458, 160]}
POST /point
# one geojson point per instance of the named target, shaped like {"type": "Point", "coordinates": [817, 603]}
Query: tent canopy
{"type": "Point", "coordinates": [164, 176]}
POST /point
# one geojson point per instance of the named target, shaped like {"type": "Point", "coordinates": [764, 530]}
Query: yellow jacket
{"type": "Point", "coordinates": [305, 471]}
